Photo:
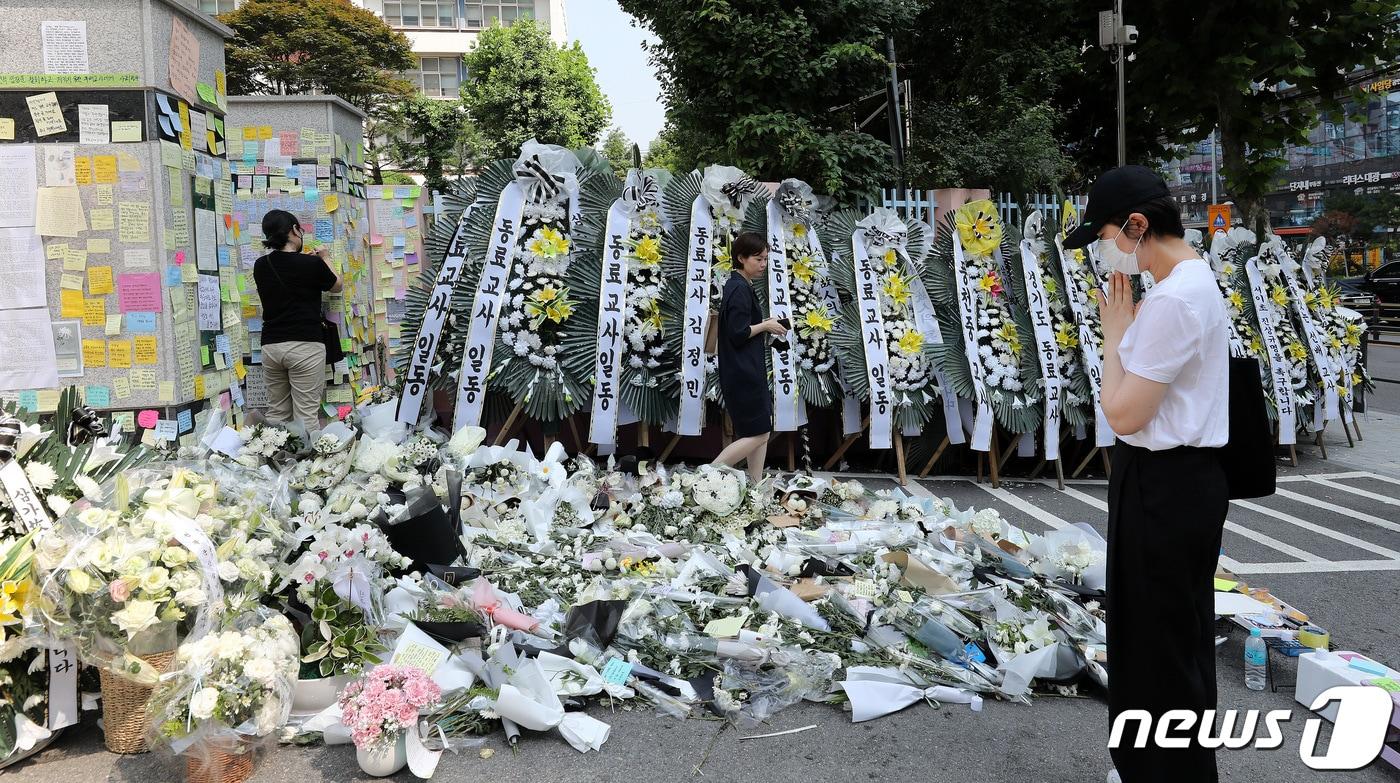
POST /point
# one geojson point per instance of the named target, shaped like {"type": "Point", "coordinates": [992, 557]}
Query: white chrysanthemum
{"type": "Point", "coordinates": [41, 476]}
{"type": "Point", "coordinates": [88, 486]}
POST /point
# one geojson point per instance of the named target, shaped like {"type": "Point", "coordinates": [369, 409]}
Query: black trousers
{"type": "Point", "coordinates": [1166, 511]}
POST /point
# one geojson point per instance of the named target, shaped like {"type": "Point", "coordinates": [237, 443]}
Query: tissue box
{"type": "Point", "coordinates": [1316, 676]}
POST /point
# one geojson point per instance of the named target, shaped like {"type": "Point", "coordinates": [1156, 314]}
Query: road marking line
{"type": "Point", "coordinates": [1344, 511]}
{"type": "Point", "coordinates": [1266, 540]}
{"type": "Point", "coordinates": [1025, 506]}
{"type": "Point", "coordinates": [1319, 529]}
{"type": "Point", "coordinates": [1330, 566]}
{"type": "Point", "coordinates": [1386, 499]}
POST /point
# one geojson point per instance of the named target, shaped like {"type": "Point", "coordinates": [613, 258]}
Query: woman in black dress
{"type": "Point", "coordinates": [743, 377]}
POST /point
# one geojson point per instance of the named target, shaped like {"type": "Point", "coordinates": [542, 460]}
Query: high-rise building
{"type": "Point", "coordinates": [441, 31]}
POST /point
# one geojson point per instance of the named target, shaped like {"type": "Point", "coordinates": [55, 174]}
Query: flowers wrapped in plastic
{"type": "Point", "coordinates": [230, 691]}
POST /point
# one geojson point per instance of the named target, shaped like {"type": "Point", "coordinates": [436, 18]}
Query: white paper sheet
{"type": "Point", "coordinates": [18, 185]}
{"type": "Point", "coordinates": [93, 125]}
{"type": "Point", "coordinates": [59, 170]}
{"type": "Point", "coordinates": [22, 282]}
{"type": "Point", "coordinates": [205, 248]}
{"type": "Point", "coordinates": [26, 350]}
{"type": "Point", "coordinates": [65, 46]}
{"type": "Point", "coordinates": [1238, 603]}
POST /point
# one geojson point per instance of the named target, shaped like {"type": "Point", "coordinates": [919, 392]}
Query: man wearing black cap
{"type": "Point", "coordinates": [1165, 386]}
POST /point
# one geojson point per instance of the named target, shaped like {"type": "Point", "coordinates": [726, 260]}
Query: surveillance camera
{"type": "Point", "coordinates": [1130, 35]}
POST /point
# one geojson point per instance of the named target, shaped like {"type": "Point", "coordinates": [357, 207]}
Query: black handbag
{"type": "Point", "coordinates": [1248, 458]}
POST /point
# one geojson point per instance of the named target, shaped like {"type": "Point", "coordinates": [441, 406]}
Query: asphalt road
{"type": "Point", "coordinates": [1329, 543]}
{"type": "Point", "coordinates": [1384, 362]}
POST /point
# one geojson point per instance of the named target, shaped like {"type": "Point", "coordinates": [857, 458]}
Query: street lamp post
{"type": "Point", "coordinates": [1117, 37]}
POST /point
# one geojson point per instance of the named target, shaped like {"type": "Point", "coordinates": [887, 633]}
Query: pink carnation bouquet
{"type": "Point", "coordinates": [386, 701]}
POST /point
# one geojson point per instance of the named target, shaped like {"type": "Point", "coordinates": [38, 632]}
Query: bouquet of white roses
{"type": "Point", "coordinates": [333, 452]}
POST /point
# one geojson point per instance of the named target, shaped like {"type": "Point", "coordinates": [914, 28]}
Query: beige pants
{"type": "Point", "coordinates": [296, 377]}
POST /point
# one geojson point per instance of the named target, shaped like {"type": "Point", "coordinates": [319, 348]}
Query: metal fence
{"type": "Point", "coordinates": [918, 204]}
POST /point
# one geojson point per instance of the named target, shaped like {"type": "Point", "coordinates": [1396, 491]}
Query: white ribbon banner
{"type": "Point", "coordinates": [872, 699]}
{"type": "Point", "coordinates": [192, 538]}
{"type": "Point", "coordinates": [789, 412]}
{"type": "Point", "coordinates": [29, 510]}
{"type": "Point", "coordinates": [850, 406]}
{"type": "Point", "coordinates": [612, 304]}
{"type": "Point", "coordinates": [697, 318]}
{"type": "Point", "coordinates": [1278, 367]}
{"type": "Point", "coordinates": [425, 344]}
{"type": "Point", "coordinates": [926, 318]}
{"type": "Point", "coordinates": [486, 309]}
{"type": "Point", "coordinates": [872, 330]}
{"type": "Point", "coordinates": [967, 315]}
{"type": "Point", "coordinates": [1046, 350]}
{"type": "Point", "coordinates": [1090, 352]}
{"type": "Point", "coordinates": [1326, 408]}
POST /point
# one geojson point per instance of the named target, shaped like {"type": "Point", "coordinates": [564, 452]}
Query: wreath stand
{"type": "Point", "coordinates": [850, 440]}
{"type": "Point", "coordinates": [1059, 465]}
{"type": "Point", "coordinates": [1099, 450]}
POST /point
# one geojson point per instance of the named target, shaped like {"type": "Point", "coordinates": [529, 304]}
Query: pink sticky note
{"type": "Point", "coordinates": [139, 292]}
{"type": "Point", "coordinates": [342, 411]}
{"type": "Point", "coordinates": [225, 401]}
{"type": "Point", "coordinates": [179, 258]}
{"type": "Point", "coordinates": [375, 239]}
{"type": "Point", "coordinates": [147, 419]}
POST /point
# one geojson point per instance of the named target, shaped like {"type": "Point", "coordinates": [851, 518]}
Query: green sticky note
{"type": "Point", "coordinates": [206, 93]}
{"type": "Point", "coordinates": [726, 627]}
{"type": "Point", "coordinates": [345, 345]}
{"type": "Point", "coordinates": [203, 354]}
{"type": "Point", "coordinates": [1386, 684]}
{"type": "Point", "coordinates": [1225, 585]}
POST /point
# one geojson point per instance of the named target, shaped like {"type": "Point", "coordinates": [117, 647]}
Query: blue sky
{"type": "Point", "coordinates": [614, 48]}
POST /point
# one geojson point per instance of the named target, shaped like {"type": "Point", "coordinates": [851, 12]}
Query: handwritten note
{"type": "Point", "coordinates": [46, 114]}
{"type": "Point", "coordinates": [135, 221]}
{"type": "Point", "coordinates": [17, 185]}
{"type": "Point", "coordinates": [93, 125]}
{"type": "Point", "coordinates": [145, 347]}
{"type": "Point", "coordinates": [7, 128]}
{"type": "Point", "coordinates": [126, 130]}
{"type": "Point", "coordinates": [99, 280]}
{"type": "Point", "coordinates": [95, 353]}
{"type": "Point", "coordinates": [65, 46]}
{"type": "Point", "coordinates": [208, 317]}
{"type": "Point", "coordinates": [139, 291]}
{"type": "Point", "coordinates": [59, 212]}
{"type": "Point", "coordinates": [22, 281]}
{"type": "Point", "coordinates": [184, 60]}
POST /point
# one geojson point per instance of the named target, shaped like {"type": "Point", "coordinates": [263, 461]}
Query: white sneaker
{"type": "Point", "coordinates": [1114, 777]}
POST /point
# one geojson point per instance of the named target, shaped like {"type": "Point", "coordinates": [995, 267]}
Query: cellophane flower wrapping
{"type": "Point", "coordinates": [125, 577]}
{"type": "Point", "coordinates": [231, 688]}
{"type": "Point", "coordinates": [387, 700]}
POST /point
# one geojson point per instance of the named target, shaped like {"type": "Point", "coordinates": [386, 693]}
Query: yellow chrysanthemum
{"type": "Point", "coordinates": [911, 343]}
{"type": "Point", "coordinates": [1279, 295]}
{"type": "Point", "coordinates": [1310, 299]}
{"type": "Point", "coordinates": [1007, 333]}
{"type": "Point", "coordinates": [1255, 346]}
{"type": "Point", "coordinates": [817, 320]}
{"type": "Point", "coordinates": [653, 317]}
{"type": "Point", "coordinates": [1065, 337]}
{"type": "Point", "coordinates": [978, 227]}
{"type": "Point", "coordinates": [1051, 287]}
{"type": "Point", "coordinates": [722, 260]}
{"type": "Point", "coordinates": [548, 304]}
{"type": "Point", "coordinates": [648, 251]}
{"type": "Point", "coordinates": [548, 243]}
{"type": "Point", "coordinates": [1236, 301]}
{"type": "Point", "coordinates": [897, 289]}
{"type": "Point", "coordinates": [804, 269]}
{"type": "Point", "coordinates": [799, 230]}
{"type": "Point", "coordinates": [1297, 352]}
{"type": "Point", "coordinates": [1326, 299]}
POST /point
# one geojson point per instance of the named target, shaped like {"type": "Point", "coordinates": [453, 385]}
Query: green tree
{"type": "Point", "coordinates": [434, 137]}
{"type": "Point", "coordinates": [520, 85]}
{"type": "Point", "coordinates": [754, 84]}
{"type": "Point", "coordinates": [1359, 217]}
{"type": "Point", "coordinates": [617, 151]}
{"type": "Point", "coordinates": [291, 47]}
{"type": "Point", "coordinates": [663, 153]}
{"type": "Point", "coordinates": [1260, 72]}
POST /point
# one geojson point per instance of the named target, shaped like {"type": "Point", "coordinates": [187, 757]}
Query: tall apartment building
{"type": "Point", "coordinates": [441, 31]}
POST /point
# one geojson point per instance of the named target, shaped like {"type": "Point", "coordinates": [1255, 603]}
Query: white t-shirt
{"type": "Point", "coordinates": [1179, 338]}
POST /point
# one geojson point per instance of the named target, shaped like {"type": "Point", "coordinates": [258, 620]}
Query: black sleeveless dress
{"type": "Point", "coordinates": [743, 374]}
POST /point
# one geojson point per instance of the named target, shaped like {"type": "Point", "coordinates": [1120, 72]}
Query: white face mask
{"type": "Point", "coordinates": [1110, 254]}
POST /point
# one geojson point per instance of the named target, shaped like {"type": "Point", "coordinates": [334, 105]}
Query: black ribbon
{"type": "Point", "coordinates": [645, 194]}
{"type": "Point", "coordinates": [795, 206]}
{"type": "Point", "coordinates": [543, 183]}
{"type": "Point", "coordinates": [84, 424]}
{"type": "Point", "coordinates": [877, 238]}
{"type": "Point", "coordinates": [736, 191]}
{"type": "Point", "coordinates": [9, 437]}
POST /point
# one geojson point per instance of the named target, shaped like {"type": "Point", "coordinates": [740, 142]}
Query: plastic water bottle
{"type": "Point", "coordinates": [1256, 659]}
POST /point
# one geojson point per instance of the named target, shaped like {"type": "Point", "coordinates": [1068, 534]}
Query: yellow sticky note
{"type": "Point", "coordinates": [74, 260]}
{"type": "Point", "coordinates": [209, 141]}
{"type": "Point", "coordinates": [82, 168]}
{"type": "Point", "coordinates": [46, 114]}
{"type": "Point", "coordinates": [121, 386]}
{"type": "Point", "coordinates": [250, 133]}
{"type": "Point", "coordinates": [186, 140]}
{"type": "Point", "coordinates": [119, 352]}
{"type": "Point", "coordinates": [239, 369]}
{"type": "Point", "coordinates": [99, 280]}
{"type": "Point", "coordinates": [725, 627]}
{"type": "Point", "coordinates": [1225, 585]}
{"type": "Point", "coordinates": [332, 202]}
{"type": "Point", "coordinates": [167, 391]}
{"type": "Point", "coordinates": [264, 132]}
{"type": "Point", "coordinates": [58, 212]}
{"type": "Point", "coordinates": [99, 245]}
{"type": "Point", "coordinates": [7, 128]}
{"type": "Point", "coordinates": [102, 219]}
{"type": "Point", "coordinates": [126, 130]}
{"type": "Point", "coordinates": [184, 116]}
{"type": "Point", "coordinates": [70, 303]}
{"type": "Point", "coordinates": [199, 387]}
{"type": "Point", "coordinates": [48, 400]}
{"type": "Point", "coordinates": [145, 349]}
{"type": "Point", "coordinates": [55, 251]}
{"type": "Point", "coordinates": [94, 312]}
{"type": "Point", "coordinates": [104, 169]}
{"type": "Point", "coordinates": [114, 325]}
{"type": "Point", "coordinates": [95, 353]}
{"type": "Point", "coordinates": [104, 195]}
